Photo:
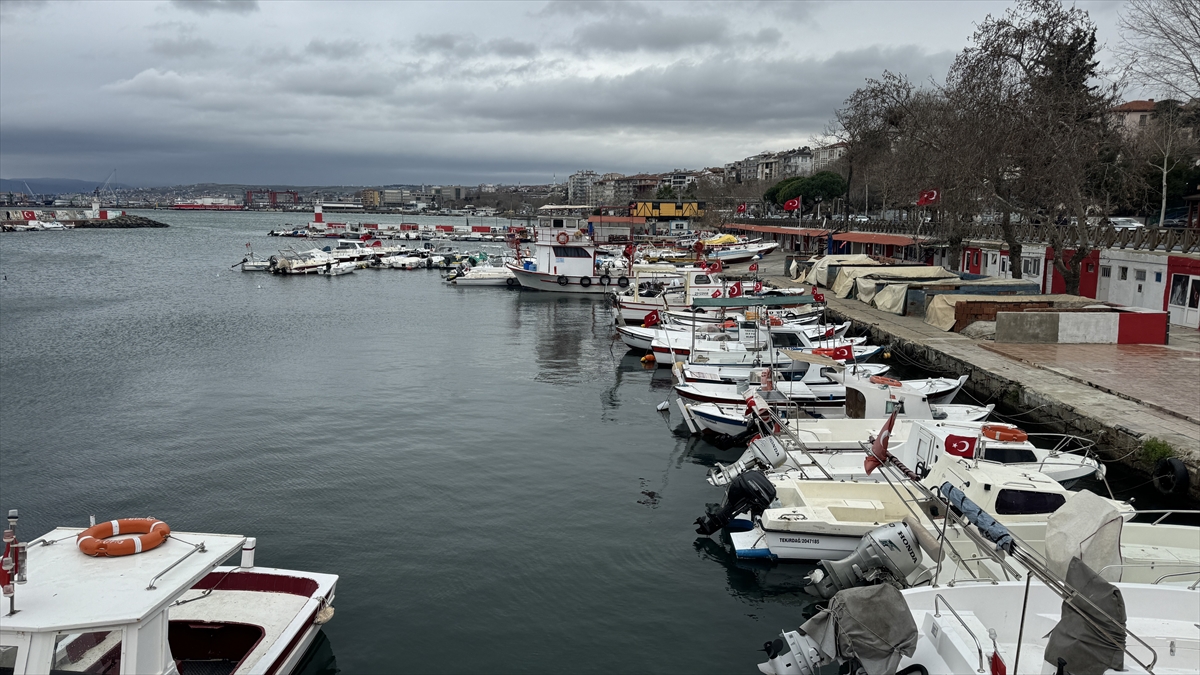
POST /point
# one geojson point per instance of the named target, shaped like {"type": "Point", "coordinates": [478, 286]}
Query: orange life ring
{"type": "Point", "coordinates": [94, 540]}
{"type": "Point", "coordinates": [1009, 434]}
{"type": "Point", "coordinates": [563, 237]}
{"type": "Point", "coordinates": [879, 379]}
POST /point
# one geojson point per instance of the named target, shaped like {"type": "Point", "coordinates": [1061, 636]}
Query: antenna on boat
{"type": "Point", "coordinates": [12, 566]}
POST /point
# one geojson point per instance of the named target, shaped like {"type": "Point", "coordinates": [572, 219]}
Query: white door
{"type": "Point", "coordinates": [1102, 285]}
{"type": "Point", "coordinates": [1183, 301]}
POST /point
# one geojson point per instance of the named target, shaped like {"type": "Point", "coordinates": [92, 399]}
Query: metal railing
{"type": "Point", "coordinates": [936, 613]}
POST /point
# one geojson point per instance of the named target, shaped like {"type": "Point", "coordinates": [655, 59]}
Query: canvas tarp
{"type": "Point", "coordinates": [844, 285]}
{"type": "Point", "coordinates": [892, 297]}
{"type": "Point", "coordinates": [818, 275]}
{"type": "Point", "coordinates": [872, 624]}
{"type": "Point", "coordinates": [940, 312]}
{"type": "Point", "coordinates": [1089, 528]}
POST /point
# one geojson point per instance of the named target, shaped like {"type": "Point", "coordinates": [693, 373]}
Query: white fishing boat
{"type": "Point", "coordinates": [337, 269]}
{"type": "Point", "coordinates": [564, 260]}
{"type": "Point", "coordinates": [484, 275]}
{"type": "Point", "coordinates": [665, 288]}
{"type": "Point", "coordinates": [819, 391]}
{"type": "Point", "coordinates": [1080, 593]}
{"type": "Point", "coordinates": [407, 262]}
{"type": "Point", "coordinates": [746, 332]}
{"type": "Point", "coordinates": [170, 608]}
{"type": "Point", "coordinates": [822, 448]}
{"type": "Point", "coordinates": [290, 261]}
{"type": "Point", "coordinates": [733, 255]}
{"type": "Point", "coordinates": [733, 354]}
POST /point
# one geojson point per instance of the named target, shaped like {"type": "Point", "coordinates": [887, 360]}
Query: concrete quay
{"type": "Point", "coordinates": [1118, 395]}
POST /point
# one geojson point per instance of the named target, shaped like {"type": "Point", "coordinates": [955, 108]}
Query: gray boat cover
{"type": "Point", "coordinates": [1087, 527]}
{"type": "Point", "coordinates": [871, 623]}
{"type": "Point", "coordinates": [1088, 649]}
{"type": "Point", "coordinates": [987, 525]}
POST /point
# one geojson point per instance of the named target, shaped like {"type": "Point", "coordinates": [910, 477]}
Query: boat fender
{"type": "Point", "coordinates": [562, 238]}
{"type": "Point", "coordinates": [605, 280]}
{"type": "Point", "coordinates": [563, 281]}
{"type": "Point", "coordinates": [94, 540]}
{"type": "Point", "coordinates": [789, 315]}
{"type": "Point", "coordinates": [510, 281]}
{"type": "Point", "coordinates": [879, 379]}
{"type": "Point", "coordinates": [1005, 433]}
{"type": "Point", "coordinates": [585, 281]}
{"type": "Point", "coordinates": [623, 282]}
{"type": "Point", "coordinates": [1171, 476]}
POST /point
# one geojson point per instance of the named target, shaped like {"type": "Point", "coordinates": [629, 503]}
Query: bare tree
{"type": "Point", "coordinates": [1160, 41]}
{"type": "Point", "coordinates": [1167, 142]}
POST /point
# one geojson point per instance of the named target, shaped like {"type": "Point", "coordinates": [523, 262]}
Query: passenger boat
{"type": "Point", "coordinates": [170, 608]}
{"type": "Point", "coordinates": [564, 261]}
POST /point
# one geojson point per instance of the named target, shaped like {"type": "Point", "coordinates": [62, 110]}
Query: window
{"type": "Point", "coordinates": [976, 257]}
{"type": "Point", "coordinates": [8, 659]}
{"type": "Point", "coordinates": [1006, 455]}
{"type": "Point", "coordinates": [702, 279]}
{"type": "Point", "coordinates": [1091, 267]}
{"type": "Point", "coordinates": [98, 652]}
{"type": "Point", "coordinates": [1139, 275]}
{"type": "Point", "coordinates": [893, 405]}
{"type": "Point", "coordinates": [558, 222]}
{"type": "Point", "coordinates": [1023, 502]}
{"type": "Point", "coordinates": [1158, 277]}
{"type": "Point", "coordinates": [1105, 271]}
{"type": "Point", "coordinates": [1124, 273]}
{"type": "Point", "coordinates": [1142, 120]}
{"type": "Point", "coordinates": [1031, 266]}
{"type": "Point", "coordinates": [571, 252]}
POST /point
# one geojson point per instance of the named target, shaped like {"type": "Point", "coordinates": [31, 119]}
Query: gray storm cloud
{"type": "Point", "coordinates": [377, 93]}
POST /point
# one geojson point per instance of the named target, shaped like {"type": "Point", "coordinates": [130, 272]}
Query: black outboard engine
{"type": "Point", "coordinates": [750, 491]}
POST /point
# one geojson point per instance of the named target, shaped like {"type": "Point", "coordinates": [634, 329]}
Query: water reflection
{"type": "Point", "coordinates": [319, 659]}
{"type": "Point", "coordinates": [758, 579]}
{"type": "Point", "coordinates": [569, 333]}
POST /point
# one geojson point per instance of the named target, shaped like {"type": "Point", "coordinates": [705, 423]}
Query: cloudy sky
{"type": "Point", "coordinates": [442, 92]}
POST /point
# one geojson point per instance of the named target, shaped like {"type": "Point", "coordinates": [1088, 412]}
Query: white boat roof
{"type": "Point", "coordinates": [67, 590]}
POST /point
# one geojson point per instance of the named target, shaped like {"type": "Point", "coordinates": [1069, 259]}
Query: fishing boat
{"type": "Point", "coordinates": [821, 391]}
{"type": "Point", "coordinates": [732, 255]}
{"type": "Point", "coordinates": [564, 260]}
{"type": "Point", "coordinates": [823, 448]}
{"type": "Point", "coordinates": [131, 596]}
{"type": "Point", "coordinates": [484, 275]}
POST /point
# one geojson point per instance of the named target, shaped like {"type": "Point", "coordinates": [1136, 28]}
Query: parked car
{"type": "Point", "coordinates": [1125, 223]}
{"type": "Point", "coordinates": [860, 218]}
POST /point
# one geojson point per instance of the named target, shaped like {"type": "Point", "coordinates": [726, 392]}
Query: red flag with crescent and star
{"type": "Point", "coordinates": [754, 267]}
{"type": "Point", "coordinates": [735, 290]}
{"type": "Point", "coordinates": [716, 293]}
{"type": "Point", "coordinates": [758, 287]}
{"type": "Point", "coordinates": [842, 353]}
{"type": "Point", "coordinates": [928, 197]}
{"type": "Point", "coordinates": [818, 297]}
{"type": "Point", "coordinates": [879, 448]}
{"type": "Point", "coordinates": [741, 207]}
{"type": "Point", "coordinates": [960, 446]}
{"type": "Point", "coordinates": [791, 204]}
{"type": "Point", "coordinates": [651, 319]}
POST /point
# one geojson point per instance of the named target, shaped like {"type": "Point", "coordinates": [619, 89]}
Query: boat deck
{"type": "Point", "coordinates": [273, 612]}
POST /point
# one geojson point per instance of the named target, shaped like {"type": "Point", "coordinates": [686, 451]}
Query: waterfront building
{"type": "Point", "coordinates": [824, 156]}
{"type": "Point", "coordinates": [578, 186]}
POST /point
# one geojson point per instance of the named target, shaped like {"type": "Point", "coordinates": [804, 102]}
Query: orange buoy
{"type": "Point", "coordinates": [94, 540]}
{"type": "Point", "coordinates": [1008, 434]}
{"type": "Point", "coordinates": [879, 379]}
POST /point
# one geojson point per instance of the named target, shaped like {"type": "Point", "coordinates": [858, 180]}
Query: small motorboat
{"type": "Point", "coordinates": [335, 269]}
{"type": "Point", "coordinates": [131, 596]}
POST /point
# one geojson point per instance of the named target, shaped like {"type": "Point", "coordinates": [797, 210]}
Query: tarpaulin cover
{"type": "Point", "coordinates": [892, 298]}
{"type": "Point", "coordinates": [844, 284]}
{"type": "Point", "coordinates": [1087, 527]}
{"type": "Point", "coordinates": [818, 275]}
{"type": "Point", "coordinates": [721, 240]}
{"type": "Point", "coordinates": [940, 312]}
{"type": "Point", "coordinates": [1089, 648]}
{"type": "Point", "coordinates": [871, 623]}
{"type": "Point", "coordinates": [987, 525]}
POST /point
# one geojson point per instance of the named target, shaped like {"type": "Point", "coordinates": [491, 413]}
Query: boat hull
{"type": "Point", "coordinates": [538, 281]}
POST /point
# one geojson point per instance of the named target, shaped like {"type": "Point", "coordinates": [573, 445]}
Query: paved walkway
{"type": "Point", "coordinates": [1158, 387]}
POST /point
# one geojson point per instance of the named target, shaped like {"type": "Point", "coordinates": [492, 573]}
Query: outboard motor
{"type": "Point", "coordinates": [885, 555]}
{"type": "Point", "coordinates": [750, 491]}
{"type": "Point", "coordinates": [763, 453]}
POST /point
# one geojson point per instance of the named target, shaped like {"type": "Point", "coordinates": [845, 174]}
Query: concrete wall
{"type": "Point", "coordinates": [1027, 327]}
{"type": "Point", "coordinates": [1126, 327]}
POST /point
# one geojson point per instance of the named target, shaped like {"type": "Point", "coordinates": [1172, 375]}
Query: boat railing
{"type": "Point", "coordinates": [196, 548]}
{"type": "Point", "coordinates": [1152, 565]}
{"type": "Point", "coordinates": [937, 613]}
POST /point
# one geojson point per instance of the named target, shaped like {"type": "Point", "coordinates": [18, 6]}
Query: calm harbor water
{"type": "Point", "coordinates": [484, 468]}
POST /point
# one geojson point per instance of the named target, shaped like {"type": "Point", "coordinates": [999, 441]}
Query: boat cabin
{"type": "Point", "coordinates": [563, 247]}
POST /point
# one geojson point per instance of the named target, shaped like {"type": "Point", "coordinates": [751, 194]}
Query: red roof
{"type": "Point", "coordinates": [872, 238]}
{"type": "Point", "coordinates": [1135, 106]}
{"type": "Point", "coordinates": [772, 229]}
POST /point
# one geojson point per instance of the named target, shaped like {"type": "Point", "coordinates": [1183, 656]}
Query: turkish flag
{"type": "Point", "coordinates": [735, 290]}
{"type": "Point", "coordinates": [830, 332]}
{"type": "Point", "coordinates": [818, 297]}
{"type": "Point", "coordinates": [791, 204]}
{"type": "Point", "coordinates": [651, 319]}
{"type": "Point", "coordinates": [741, 207]}
{"type": "Point", "coordinates": [960, 446]}
{"type": "Point", "coordinates": [843, 353]}
{"type": "Point", "coordinates": [702, 265]}
{"type": "Point", "coordinates": [879, 448]}
{"type": "Point", "coordinates": [716, 267]}
{"type": "Point", "coordinates": [758, 287]}
{"type": "Point", "coordinates": [29, 215]}
{"type": "Point", "coordinates": [928, 197]}
{"type": "Point", "coordinates": [753, 267]}
{"type": "Point", "coordinates": [716, 293]}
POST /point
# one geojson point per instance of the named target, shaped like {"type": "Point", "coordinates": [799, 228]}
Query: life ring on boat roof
{"type": "Point", "coordinates": [605, 280]}
{"type": "Point", "coordinates": [563, 281]}
{"type": "Point", "coordinates": [585, 281]}
{"type": "Point", "coordinates": [623, 282]}
{"type": "Point", "coordinates": [562, 238]}
{"type": "Point", "coordinates": [879, 379]}
{"type": "Point", "coordinates": [1005, 433]}
{"type": "Point", "coordinates": [94, 540]}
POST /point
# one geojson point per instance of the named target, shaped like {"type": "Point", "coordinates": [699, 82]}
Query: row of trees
{"type": "Point", "coordinates": [1023, 127]}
